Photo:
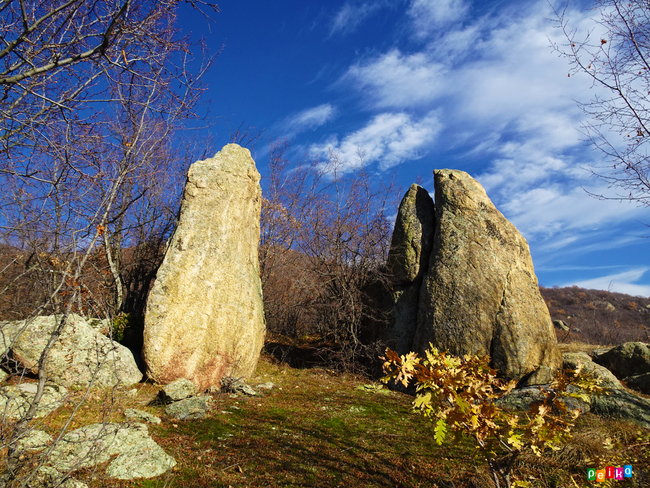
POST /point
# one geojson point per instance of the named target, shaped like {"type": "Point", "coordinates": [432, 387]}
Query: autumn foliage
{"type": "Point", "coordinates": [460, 394]}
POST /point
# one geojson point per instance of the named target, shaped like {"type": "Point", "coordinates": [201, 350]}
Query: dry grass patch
{"type": "Point", "coordinates": [317, 428]}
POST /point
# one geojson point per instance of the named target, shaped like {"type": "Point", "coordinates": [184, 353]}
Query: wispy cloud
{"type": "Point", "coordinates": [428, 15]}
{"type": "Point", "coordinates": [388, 139]}
{"type": "Point", "coordinates": [503, 97]}
{"type": "Point", "coordinates": [348, 18]}
{"type": "Point", "coordinates": [308, 119]}
{"type": "Point", "coordinates": [397, 80]}
{"type": "Point", "coordinates": [620, 282]}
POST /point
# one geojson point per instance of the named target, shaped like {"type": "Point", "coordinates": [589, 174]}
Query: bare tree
{"type": "Point", "coordinates": [615, 54]}
{"type": "Point", "coordinates": [325, 239]}
{"type": "Point", "coordinates": [93, 93]}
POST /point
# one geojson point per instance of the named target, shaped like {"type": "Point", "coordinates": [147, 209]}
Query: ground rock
{"type": "Point", "coordinates": [605, 306]}
{"type": "Point", "coordinates": [179, 390]}
{"type": "Point", "coordinates": [605, 377]}
{"type": "Point", "coordinates": [204, 316]}
{"type": "Point", "coordinates": [640, 382]}
{"type": "Point", "coordinates": [480, 294]}
{"type": "Point", "coordinates": [138, 455]}
{"type": "Point", "coordinates": [80, 356]}
{"type": "Point", "coordinates": [33, 441]}
{"type": "Point", "coordinates": [15, 400]}
{"type": "Point", "coordinates": [141, 416]}
{"type": "Point", "coordinates": [523, 398]}
{"type": "Point", "coordinates": [47, 477]}
{"type": "Point", "coordinates": [629, 359]}
{"type": "Point", "coordinates": [190, 408]}
{"type": "Point", "coordinates": [623, 405]}
{"type": "Point", "coordinates": [407, 263]}
{"type": "Point", "coordinates": [613, 403]}
{"type": "Point", "coordinates": [237, 386]}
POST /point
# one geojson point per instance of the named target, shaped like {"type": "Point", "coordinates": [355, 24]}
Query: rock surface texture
{"type": "Point", "coordinates": [629, 362]}
{"type": "Point", "coordinates": [138, 455]}
{"type": "Point", "coordinates": [479, 293]}
{"type": "Point", "coordinates": [629, 359]}
{"type": "Point", "coordinates": [407, 262]}
{"type": "Point", "coordinates": [204, 316]}
{"type": "Point", "coordinates": [81, 356]}
{"type": "Point", "coordinates": [571, 360]}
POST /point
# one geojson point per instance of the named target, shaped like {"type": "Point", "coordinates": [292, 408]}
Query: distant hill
{"type": "Point", "coordinates": [598, 316]}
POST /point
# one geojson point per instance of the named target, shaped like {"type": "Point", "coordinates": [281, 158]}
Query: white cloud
{"type": "Point", "coordinates": [620, 282]}
{"type": "Point", "coordinates": [554, 210]}
{"type": "Point", "coordinates": [397, 80]}
{"type": "Point", "coordinates": [388, 139]}
{"type": "Point", "coordinates": [309, 119]}
{"type": "Point", "coordinates": [350, 16]}
{"type": "Point", "coordinates": [500, 96]}
{"type": "Point", "coordinates": [429, 15]}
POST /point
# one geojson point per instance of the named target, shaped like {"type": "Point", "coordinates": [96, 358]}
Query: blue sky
{"type": "Point", "coordinates": [419, 85]}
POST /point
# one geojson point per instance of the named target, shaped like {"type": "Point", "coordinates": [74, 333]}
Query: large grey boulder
{"type": "Point", "coordinates": [622, 404]}
{"type": "Point", "coordinates": [138, 455]}
{"type": "Point", "coordinates": [629, 359]}
{"type": "Point", "coordinates": [612, 403]}
{"type": "Point", "coordinates": [204, 317]}
{"type": "Point", "coordinates": [571, 360]}
{"type": "Point", "coordinates": [15, 400]}
{"type": "Point", "coordinates": [480, 293]}
{"type": "Point", "coordinates": [639, 382]}
{"type": "Point", "coordinates": [407, 263]}
{"type": "Point", "coordinates": [80, 357]}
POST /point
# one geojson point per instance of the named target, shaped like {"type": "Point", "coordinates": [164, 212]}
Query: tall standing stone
{"type": "Point", "coordinates": [408, 260]}
{"type": "Point", "coordinates": [204, 317]}
{"type": "Point", "coordinates": [480, 294]}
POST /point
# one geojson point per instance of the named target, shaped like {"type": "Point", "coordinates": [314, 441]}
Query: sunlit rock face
{"type": "Point", "coordinates": [479, 293]}
{"type": "Point", "coordinates": [205, 316]}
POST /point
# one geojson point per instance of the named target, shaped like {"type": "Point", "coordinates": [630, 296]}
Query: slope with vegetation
{"type": "Point", "coordinates": [598, 316]}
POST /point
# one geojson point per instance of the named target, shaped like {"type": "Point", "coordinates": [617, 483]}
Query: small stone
{"type": "Point", "coordinates": [33, 441]}
{"type": "Point", "coordinates": [559, 324]}
{"type": "Point", "coordinates": [190, 408]}
{"type": "Point", "coordinates": [179, 390]}
{"type": "Point", "coordinates": [141, 416]}
{"type": "Point", "coordinates": [266, 386]}
{"type": "Point", "coordinates": [229, 384]}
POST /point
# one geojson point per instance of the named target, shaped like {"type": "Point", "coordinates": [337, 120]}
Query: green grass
{"type": "Point", "coordinates": [316, 428]}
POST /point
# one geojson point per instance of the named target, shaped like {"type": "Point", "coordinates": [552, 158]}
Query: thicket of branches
{"type": "Point", "coordinates": [92, 94]}
{"type": "Point", "coordinates": [324, 242]}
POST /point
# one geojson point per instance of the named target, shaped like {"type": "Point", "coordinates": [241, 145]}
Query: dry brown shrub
{"type": "Point", "coordinates": [631, 305]}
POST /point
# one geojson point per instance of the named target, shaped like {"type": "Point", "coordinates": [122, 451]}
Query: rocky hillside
{"type": "Point", "coordinates": [598, 316]}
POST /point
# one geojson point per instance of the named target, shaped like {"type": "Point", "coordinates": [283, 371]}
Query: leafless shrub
{"type": "Point", "coordinates": [325, 239]}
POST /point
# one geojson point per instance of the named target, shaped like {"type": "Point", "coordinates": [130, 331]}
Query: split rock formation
{"type": "Point", "coordinates": [478, 293]}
